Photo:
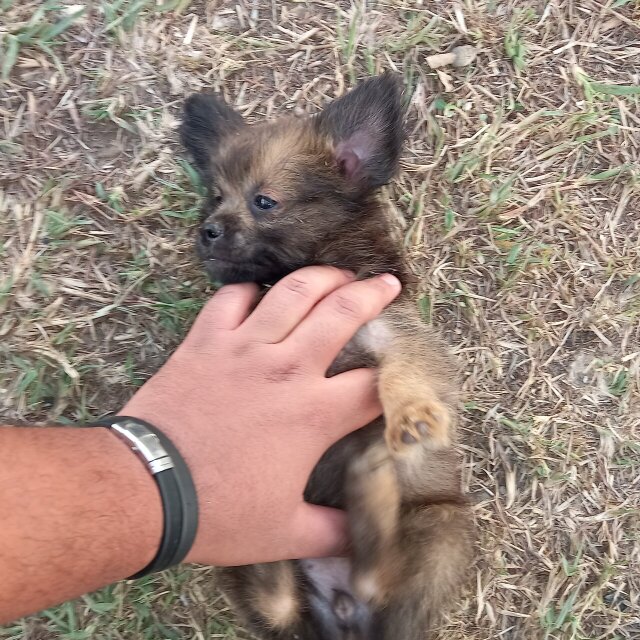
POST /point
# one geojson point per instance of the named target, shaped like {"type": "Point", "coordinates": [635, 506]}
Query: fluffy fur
{"type": "Point", "coordinates": [398, 478]}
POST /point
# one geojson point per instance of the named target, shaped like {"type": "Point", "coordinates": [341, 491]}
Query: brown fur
{"type": "Point", "coordinates": [277, 598]}
{"type": "Point", "coordinates": [398, 478]}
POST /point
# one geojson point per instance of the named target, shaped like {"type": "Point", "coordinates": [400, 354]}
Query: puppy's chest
{"type": "Point", "coordinates": [365, 349]}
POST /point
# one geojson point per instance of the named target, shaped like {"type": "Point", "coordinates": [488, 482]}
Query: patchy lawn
{"type": "Point", "coordinates": [520, 199]}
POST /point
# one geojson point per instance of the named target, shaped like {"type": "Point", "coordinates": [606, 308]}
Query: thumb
{"type": "Point", "coordinates": [317, 532]}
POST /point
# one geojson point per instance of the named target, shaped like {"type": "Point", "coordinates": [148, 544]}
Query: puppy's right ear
{"type": "Point", "coordinates": [206, 121]}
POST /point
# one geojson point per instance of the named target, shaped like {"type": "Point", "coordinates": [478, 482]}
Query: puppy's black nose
{"type": "Point", "coordinates": [210, 231]}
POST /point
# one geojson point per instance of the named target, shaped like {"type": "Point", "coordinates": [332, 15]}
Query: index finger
{"type": "Point", "coordinates": [336, 319]}
{"type": "Point", "coordinates": [290, 300]}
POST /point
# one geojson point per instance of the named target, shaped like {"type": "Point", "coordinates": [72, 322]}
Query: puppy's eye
{"type": "Point", "coordinates": [264, 203]}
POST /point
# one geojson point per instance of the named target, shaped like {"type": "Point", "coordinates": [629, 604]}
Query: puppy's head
{"type": "Point", "coordinates": [279, 191]}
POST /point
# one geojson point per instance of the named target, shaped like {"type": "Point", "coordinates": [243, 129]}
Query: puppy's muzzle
{"type": "Point", "coordinates": [210, 232]}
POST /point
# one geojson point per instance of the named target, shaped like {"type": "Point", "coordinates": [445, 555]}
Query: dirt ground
{"type": "Point", "coordinates": [519, 199]}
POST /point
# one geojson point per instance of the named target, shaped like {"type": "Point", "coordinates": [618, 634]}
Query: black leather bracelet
{"type": "Point", "coordinates": [177, 491]}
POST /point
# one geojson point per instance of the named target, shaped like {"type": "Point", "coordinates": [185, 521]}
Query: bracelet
{"type": "Point", "coordinates": [177, 491]}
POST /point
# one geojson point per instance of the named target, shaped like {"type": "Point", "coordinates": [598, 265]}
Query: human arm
{"type": "Point", "coordinates": [246, 401]}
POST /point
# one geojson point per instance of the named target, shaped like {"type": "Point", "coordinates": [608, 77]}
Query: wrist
{"type": "Point", "coordinates": [182, 436]}
{"type": "Point", "coordinates": [174, 481]}
{"type": "Point", "coordinates": [139, 496]}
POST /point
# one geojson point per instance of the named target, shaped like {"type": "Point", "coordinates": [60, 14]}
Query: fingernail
{"type": "Point", "coordinates": [391, 280]}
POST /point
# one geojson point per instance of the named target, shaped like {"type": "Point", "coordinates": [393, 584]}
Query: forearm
{"type": "Point", "coordinates": [78, 511]}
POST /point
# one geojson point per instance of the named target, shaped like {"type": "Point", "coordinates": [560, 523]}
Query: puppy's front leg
{"type": "Point", "coordinates": [416, 380]}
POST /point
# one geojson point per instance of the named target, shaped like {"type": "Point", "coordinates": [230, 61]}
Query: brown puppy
{"type": "Point", "coordinates": [291, 193]}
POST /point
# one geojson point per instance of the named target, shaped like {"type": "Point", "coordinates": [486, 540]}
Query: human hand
{"type": "Point", "coordinates": [246, 401]}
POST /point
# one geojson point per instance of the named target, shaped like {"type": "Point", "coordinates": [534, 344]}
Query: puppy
{"type": "Point", "coordinates": [290, 193]}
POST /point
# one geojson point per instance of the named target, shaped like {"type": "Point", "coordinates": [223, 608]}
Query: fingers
{"type": "Point", "coordinates": [335, 320]}
{"type": "Point", "coordinates": [318, 532]}
{"type": "Point", "coordinates": [290, 300]}
{"type": "Point", "coordinates": [355, 401]}
{"type": "Point", "coordinates": [226, 310]}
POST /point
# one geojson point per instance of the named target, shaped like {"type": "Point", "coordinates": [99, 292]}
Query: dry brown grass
{"type": "Point", "coordinates": [520, 194]}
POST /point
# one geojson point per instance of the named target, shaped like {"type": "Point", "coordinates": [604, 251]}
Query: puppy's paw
{"type": "Point", "coordinates": [374, 495]}
{"type": "Point", "coordinates": [425, 422]}
{"type": "Point", "coordinates": [373, 503]}
{"type": "Point", "coordinates": [373, 508]}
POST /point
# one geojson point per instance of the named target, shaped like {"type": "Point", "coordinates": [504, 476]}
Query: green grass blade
{"type": "Point", "coordinates": [126, 18]}
{"type": "Point", "coordinates": [615, 89]}
{"type": "Point", "coordinates": [170, 5]}
{"type": "Point", "coordinates": [35, 22]}
{"type": "Point", "coordinates": [10, 55]}
{"type": "Point", "coordinates": [193, 175]}
{"type": "Point", "coordinates": [54, 30]}
{"type": "Point", "coordinates": [424, 307]}
{"type": "Point", "coordinates": [513, 254]}
{"type": "Point", "coordinates": [608, 174]}
{"type": "Point", "coordinates": [566, 609]}
{"type": "Point", "coordinates": [49, 51]}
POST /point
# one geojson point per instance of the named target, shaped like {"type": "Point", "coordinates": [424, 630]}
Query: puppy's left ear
{"type": "Point", "coordinates": [207, 119]}
{"type": "Point", "coordinates": [366, 128]}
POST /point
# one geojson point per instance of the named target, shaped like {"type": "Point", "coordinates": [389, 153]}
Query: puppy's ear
{"type": "Point", "coordinates": [206, 121]}
{"type": "Point", "coordinates": [366, 128]}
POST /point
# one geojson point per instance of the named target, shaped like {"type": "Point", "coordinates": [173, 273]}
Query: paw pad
{"type": "Point", "coordinates": [427, 423]}
{"type": "Point", "coordinates": [407, 438]}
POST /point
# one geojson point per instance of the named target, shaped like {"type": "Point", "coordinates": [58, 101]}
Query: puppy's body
{"type": "Point", "coordinates": [295, 192]}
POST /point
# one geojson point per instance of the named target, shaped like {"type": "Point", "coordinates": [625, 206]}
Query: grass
{"type": "Point", "coordinates": [38, 32]}
{"type": "Point", "coordinates": [518, 201]}
{"type": "Point", "coordinates": [129, 610]}
{"type": "Point", "coordinates": [124, 14]}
